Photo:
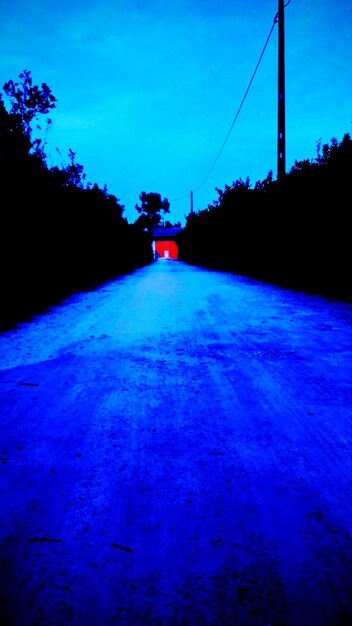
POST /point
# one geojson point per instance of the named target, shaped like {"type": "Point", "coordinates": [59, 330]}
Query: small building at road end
{"type": "Point", "coordinates": [164, 243]}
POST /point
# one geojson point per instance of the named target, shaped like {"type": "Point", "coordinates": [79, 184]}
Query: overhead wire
{"type": "Point", "coordinates": [240, 106]}
{"type": "Point", "coordinates": [238, 110]}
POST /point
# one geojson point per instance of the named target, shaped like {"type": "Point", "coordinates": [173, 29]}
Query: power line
{"type": "Point", "coordinates": [240, 107]}
{"type": "Point", "coordinates": [238, 112]}
{"type": "Point", "coordinates": [185, 195]}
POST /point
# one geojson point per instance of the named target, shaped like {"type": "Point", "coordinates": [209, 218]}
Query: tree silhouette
{"type": "Point", "coordinates": [150, 210]}
{"type": "Point", "coordinates": [27, 103]}
{"type": "Point", "coordinates": [58, 235]}
{"type": "Point", "coordinates": [293, 232]}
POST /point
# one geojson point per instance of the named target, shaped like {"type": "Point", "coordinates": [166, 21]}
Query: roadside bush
{"type": "Point", "coordinates": [294, 232]}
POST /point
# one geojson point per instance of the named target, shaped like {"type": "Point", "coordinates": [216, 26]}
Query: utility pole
{"type": "Point", "coordinates": [191, 201]}
{"type": "Point", "coordinates": [281, 131]}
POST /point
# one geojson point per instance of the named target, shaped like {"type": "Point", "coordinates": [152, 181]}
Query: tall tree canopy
{"type": "Point", "coordinates": [27, 102]}
{"type": "Point", "coordinates": [150, 210]}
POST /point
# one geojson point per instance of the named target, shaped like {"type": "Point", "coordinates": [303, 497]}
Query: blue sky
{"type": "Point", "coordinates": [147, 90]}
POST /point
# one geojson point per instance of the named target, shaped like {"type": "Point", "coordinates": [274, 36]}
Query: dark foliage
{"type": "Point", "coordinates": [294, 233]}
{"type": "Point", "coordinates": [150, 210]}
{"type": "Point", "coordinates": [57, 236]}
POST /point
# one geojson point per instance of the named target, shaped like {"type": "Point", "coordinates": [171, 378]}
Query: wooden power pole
{"type": "Point", "coordinates": [281, 131]}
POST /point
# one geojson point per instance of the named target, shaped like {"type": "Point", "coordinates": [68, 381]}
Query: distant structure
{"type": "Point", "coordinates": [164, 243]}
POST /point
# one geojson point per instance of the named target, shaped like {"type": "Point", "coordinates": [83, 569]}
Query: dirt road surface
{"type": "Point", "coordinates": [176, 450]}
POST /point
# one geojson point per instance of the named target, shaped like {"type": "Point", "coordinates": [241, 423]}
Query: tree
{"type": "Point", "coordinates": [171, 225]}
{"type": "Point", "coordinates": [71, 175]}
{"type": "Point", "coordinates": [27, 103]}
{"type": "Point", "coordinates": [150, 210]}
{"type": "Point", "coordinates": [58, 234]}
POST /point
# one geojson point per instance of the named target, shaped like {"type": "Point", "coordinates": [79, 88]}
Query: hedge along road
{"type": "Point", "coordinates": [176, 449]}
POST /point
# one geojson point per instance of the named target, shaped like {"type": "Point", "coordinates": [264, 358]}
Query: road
{"type": "Point", "coordinates": [176, 450]}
